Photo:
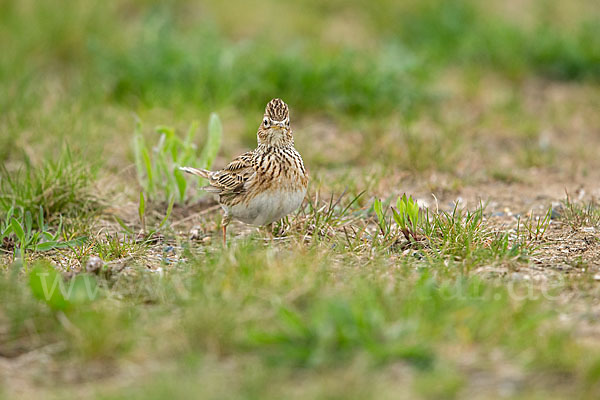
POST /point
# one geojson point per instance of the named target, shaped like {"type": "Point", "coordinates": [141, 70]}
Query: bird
{"type": "Point", "coordinates": [263, 185]}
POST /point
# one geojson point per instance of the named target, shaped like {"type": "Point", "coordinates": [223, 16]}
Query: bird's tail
{"type": "Point", "coordinates": [195, 171]}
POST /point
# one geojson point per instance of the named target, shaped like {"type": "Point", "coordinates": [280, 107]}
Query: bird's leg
{"type": "Point", "coordinates": [225, 222]}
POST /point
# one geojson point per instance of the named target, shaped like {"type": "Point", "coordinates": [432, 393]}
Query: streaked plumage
{"type": "Point", "coordinates": [263, 185]}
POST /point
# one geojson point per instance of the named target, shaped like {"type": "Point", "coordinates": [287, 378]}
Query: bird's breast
{"type": "Point", "coordinates": [268, 206]}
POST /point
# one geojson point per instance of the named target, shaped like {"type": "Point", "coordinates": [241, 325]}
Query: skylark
{"type": "Point", "coordinates": [265, 184]}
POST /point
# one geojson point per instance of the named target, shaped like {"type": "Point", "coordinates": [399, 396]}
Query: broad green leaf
{"type": "Point", "coordinates": [401, 204]}
{"type": "Point", "coordinates": [213, 143]}
{"type": "Point", "coordinates": [378, 210]}
{"type": "Point", "coordinates": [18, 230]}
{"type": "Point", "coordinates": [181, 184]}
{"type": "Point", "coordinates": [162, 165]}
{"type": "Point", "coordinates": [414, 213]}
{"type": "Point", "coordinates": [415, 216]}
{"type": "Point", "coordinates": [163, 168]}
{"type": "Point", "coordinates": [45, 246]}
{"type": "Point", "coordinates": [10, 212]}
{"type": "Point", "coordinates": [69, 244]}
{"type": "Point", "coordinates": [47, 285]}
{"type": "Point", "coordinates": [404, 200]}
{"type": "Point", "coordinates": [148, 165]}
{"type": "Point", "coordinates": [173, 145]}
{"type": "Point", "coordinates": [191, 133]}
{"type": "Point", "coordinates": [398, 218]}
{"type": "Point", "coordinates": [41, 218]}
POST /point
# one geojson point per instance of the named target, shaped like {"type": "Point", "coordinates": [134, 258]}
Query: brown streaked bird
{"type": "Point", "coordinates": [265, 184]}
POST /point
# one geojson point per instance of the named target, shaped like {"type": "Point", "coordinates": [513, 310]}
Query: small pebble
{"type": "Point", "coordinates": [597, 277]}
{"type": "Point", "coordinates": [94, 265]}
{"type": "Point", "coordinates": [556, 212]}
{"type": "Point", "coordinates": [195, 233]}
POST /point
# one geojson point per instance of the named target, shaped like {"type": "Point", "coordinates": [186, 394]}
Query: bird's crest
{"type": "Point", "coordinates": [277, 110]}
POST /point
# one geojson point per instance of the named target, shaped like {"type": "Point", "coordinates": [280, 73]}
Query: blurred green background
{"type": "Point", "coordinates": [77, 71]}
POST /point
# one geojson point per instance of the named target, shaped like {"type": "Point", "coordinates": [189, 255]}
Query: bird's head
{"type": "Point", "coordinates": [274, 129]}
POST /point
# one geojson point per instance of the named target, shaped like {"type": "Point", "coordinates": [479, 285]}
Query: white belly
{"type": "Point", "coordinates": [267, 207]}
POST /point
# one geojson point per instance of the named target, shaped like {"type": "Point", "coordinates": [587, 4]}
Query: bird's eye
{"type": "Point", "coordinates": [266, 122]}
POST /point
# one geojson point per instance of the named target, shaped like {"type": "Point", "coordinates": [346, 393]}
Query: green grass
{"type": "Point", "coordinates": [269, 308]}
{"type": "Point", "coordinates": [158, 165]}
{"type": "Point", "coordinates": [61, 188]}
{"type": "Point", "coordinates": [483, 113]}
{"type": "Point", "coordinates": [113, 247]}
{"type": "Point", "coordinates": [580, 214]}
{"type": "Point", "coordinates": [152, 56]}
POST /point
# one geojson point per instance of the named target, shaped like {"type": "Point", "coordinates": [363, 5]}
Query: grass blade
{"type": "Point", "coordinates": [167, 215]}
{"type": "Point", "coordinates": [142, 211]}
{"type": "Point", "coordinates": [123, 225]}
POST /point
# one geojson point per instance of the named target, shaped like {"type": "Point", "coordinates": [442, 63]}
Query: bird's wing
{"type": "Point", "coordinates": [242, 162]}
{"type": "Point", "coordinates": [232, 179]}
